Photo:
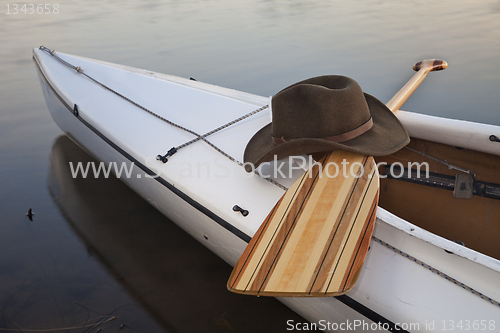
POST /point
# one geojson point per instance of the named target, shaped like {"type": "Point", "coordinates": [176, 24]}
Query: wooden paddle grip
{"type": "Point", "coordinates": [432, 64]}
{"type": "Point", "coordinates": [423, 68]}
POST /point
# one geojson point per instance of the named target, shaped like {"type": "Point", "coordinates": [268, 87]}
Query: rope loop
{"type": "Point", "coordinates": [165, 157]}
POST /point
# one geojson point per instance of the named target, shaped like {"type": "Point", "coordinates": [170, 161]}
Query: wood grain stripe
{"type": "Point", "coordinates": [335, 240]}
{"type": "Point", "coordinates": [306, 243]}
{"type": "Point", "coordinates": [259, 252]}
{"type": "Point", "coordinates": [287, 226]}
{"type": "Point", "coordinates": [362, 247]}
{"type": "Point", "coordinates": [247, 255]}
{"type": "Point", "coordinates": [349, 246]}
{"type": "Point", "coordinates": [265, 242]}
{"type": "Point", "coordinates": [354, 223]}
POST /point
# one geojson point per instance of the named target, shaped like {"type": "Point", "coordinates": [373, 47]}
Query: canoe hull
{"type": "Point", "coordinates": [391, 288]}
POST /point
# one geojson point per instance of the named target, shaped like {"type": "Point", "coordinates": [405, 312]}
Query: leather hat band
{"type": "Point", "coordinates": [336, 138]}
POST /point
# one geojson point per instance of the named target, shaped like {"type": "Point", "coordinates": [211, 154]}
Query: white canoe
{"type": "Point", "coordinates": [412, 278]}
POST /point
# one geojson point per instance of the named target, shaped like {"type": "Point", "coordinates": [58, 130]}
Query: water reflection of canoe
{"type": "Point", "coordinates": [172, 276]}
{"type": "Point", "coordinates": [415, 274]}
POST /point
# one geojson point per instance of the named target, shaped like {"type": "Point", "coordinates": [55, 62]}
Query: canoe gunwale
{"type": "Point", "coordinates": [436, 240]}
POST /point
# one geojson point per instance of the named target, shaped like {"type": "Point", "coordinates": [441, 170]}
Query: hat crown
{"type": "Point", "coordinates": [319, 107]}
{"type": "Point", "coordinates": [326, 113]}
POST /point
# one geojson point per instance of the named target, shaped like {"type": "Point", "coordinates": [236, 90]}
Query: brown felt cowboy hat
{"type": "Point", "coordinates": [326, 113]}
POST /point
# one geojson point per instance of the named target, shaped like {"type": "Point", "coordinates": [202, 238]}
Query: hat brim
{"type": "Point", "coordinates": [386, 136]}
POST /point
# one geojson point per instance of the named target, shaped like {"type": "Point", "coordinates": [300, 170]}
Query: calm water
{"type": "Point", "coordinates": [94, 249]}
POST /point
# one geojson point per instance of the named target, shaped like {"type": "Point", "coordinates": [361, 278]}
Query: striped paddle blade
{"type": "Point", "coordinates": [314, 241]}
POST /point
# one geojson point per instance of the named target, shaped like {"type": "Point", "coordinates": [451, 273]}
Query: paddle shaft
{"type": "Point", "coordinates": [422, 68]}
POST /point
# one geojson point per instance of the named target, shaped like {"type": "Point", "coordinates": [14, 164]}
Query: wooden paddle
{"type": "Point", "coordinates": [315, 240]}
{"type": "Point", "coordinates": [423, 68]}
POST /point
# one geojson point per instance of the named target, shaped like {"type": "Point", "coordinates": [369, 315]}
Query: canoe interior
{"type": "Point", "coordinates": [474, 221]}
